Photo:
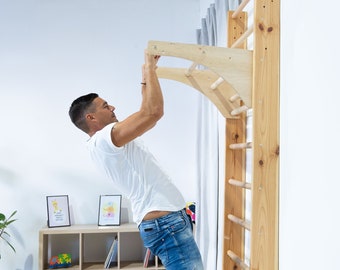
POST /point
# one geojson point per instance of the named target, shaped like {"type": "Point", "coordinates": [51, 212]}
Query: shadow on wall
{"type": "Point", "coordinates": [17, 236]}
{"type": "Point", "coordinates": [124, 215]}
{"type": "Point", "coordinates": [29, 263]}
{"type": "Point", "coordinates": [8, 177]}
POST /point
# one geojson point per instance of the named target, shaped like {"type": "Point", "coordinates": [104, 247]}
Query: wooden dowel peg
{"type": "Point", "coordinates": [238, 183]}
{"type": "Point", "coordinates": [235, 146]}
{"type": "Point", "coordinates": [237, 260]}
{"type": "Point", "coordinates": [245, 224]}
{"type": "Point", "coordinates": [234, 98]}
{"type": "Point", "coordinates": [239, 110]}
{"type": "Point", "coordinates": [240, 8]}
{"type": "Point", "coordinates": [217, 83]}
{"type": "Point", "coordinates": [191, 69]}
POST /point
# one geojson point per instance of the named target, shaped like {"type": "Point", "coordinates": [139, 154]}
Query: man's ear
{"type": "Point", "coordinates": [89, 116]}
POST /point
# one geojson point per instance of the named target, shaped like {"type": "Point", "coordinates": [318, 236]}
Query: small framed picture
{"type": "Point", "coordinates": [109, 210]}
{"type": "Point", "coordinates": [58, 211]}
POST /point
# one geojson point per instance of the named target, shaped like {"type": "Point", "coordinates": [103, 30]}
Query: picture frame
{"type": "Point", "coordinates": [58, 211]}
{"type": "Point", "coordinates": [109, 210]}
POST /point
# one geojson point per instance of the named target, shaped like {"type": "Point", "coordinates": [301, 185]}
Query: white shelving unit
{"type": "Point", "coordinates": [83, 242]}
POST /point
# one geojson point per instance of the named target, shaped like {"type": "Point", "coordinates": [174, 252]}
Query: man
{"type": "Point", "coordinates": [157, 205]}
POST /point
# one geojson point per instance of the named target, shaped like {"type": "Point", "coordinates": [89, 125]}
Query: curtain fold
{"type": "Point", "coordinates": [211, 148]}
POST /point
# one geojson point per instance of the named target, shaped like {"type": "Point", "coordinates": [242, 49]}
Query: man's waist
{"type": "Point", "coordinates": [155, 214]}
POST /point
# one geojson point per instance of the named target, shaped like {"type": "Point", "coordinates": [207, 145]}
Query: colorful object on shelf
{"type": "Point", "coordinates": [60, 261]}
{"type": "Point", "coordinates": [191, 210]}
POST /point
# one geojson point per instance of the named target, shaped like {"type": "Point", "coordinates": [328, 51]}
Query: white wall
{"type": "Point", "coordinates": [309, 190]}
{"type": "Point", "coordinates": [53, 51]}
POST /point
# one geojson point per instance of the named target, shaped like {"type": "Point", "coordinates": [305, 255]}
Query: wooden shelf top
{"type": "Point", "coordinates": [90, 228]}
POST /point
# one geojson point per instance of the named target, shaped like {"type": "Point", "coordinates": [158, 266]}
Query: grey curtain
{"type": "Point", "coordinates": [210, 145]}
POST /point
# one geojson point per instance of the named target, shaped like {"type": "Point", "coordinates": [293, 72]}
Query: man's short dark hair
{"type": "Point", "coordinates": [79, 108]}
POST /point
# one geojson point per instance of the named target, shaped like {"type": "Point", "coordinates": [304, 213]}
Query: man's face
{"type": "Point", "coordinates": [103, 112]}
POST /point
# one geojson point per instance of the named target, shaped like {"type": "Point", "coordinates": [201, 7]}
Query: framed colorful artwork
{"type": "Point", "coordinates": [58, 211]}
{"type": "Point", "coordinates": [109, 210]}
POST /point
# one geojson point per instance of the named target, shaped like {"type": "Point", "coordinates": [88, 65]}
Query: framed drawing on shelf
{"type": "Point", "coordinates": [58, 211]}
{"type": "Point", "coordinates": [109, 210]}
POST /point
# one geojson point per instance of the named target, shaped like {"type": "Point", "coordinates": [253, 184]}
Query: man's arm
{"type": "Point", "coordinates": [151, 109]}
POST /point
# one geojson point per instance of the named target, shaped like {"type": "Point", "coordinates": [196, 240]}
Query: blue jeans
{"type": "Point", "coordinates": [171, 239]}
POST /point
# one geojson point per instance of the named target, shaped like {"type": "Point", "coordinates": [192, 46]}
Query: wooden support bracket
{"type": "Point", "coordinates": [201, 81]}
{"type": "Point", "coordinates": [233, 65]}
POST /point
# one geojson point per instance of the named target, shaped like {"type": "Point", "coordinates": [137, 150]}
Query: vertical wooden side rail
{"type": "Point", "coordinates": [265, 179]}
{"type": "Point", "coordinates": [234, 199]}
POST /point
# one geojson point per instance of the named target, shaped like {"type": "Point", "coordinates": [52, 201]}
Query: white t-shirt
{"type": "Point", "coordinates": [136, 173]}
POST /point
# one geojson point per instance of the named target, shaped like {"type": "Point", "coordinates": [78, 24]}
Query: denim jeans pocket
{"type": "Point", "coordinates": [149, 234]}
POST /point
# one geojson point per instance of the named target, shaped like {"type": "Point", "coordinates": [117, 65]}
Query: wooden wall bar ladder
{"type": "Point", "coordinates": [235, 80]}
{"type": "Point", "coordinates": [263, 225]}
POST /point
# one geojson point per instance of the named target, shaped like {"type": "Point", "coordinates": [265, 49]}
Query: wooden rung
{"type": "Point", "coordinates": [245, 224]}
{"type": "Point", "coordinates": [239, 110]}
{"type": "Point", "coordinates": [235, 146]}
{"type": "Point", "coordinates": [234, 98]}
{"type": "Point", "coordinates": [240, 8]}
{"type": "Point", "coordinates": [239, 183]}
{"type": "Point", "coordinates": [237, 260]}
{"type": "Point", "coordinates": [191, 69]}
